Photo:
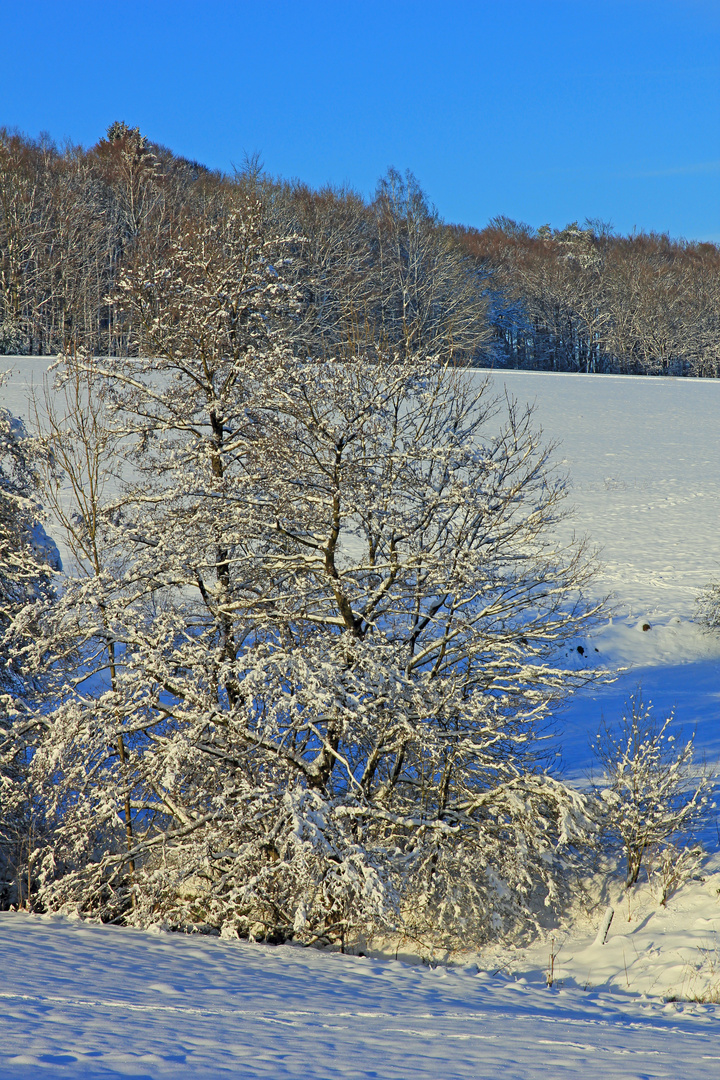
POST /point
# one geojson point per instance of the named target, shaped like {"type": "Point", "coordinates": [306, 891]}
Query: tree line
{"type": "Point", "coordinates": [382, 270]}
{"type": "Point", "coordinates": [584, 299]}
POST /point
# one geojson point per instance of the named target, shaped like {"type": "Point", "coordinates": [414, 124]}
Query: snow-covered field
{"type": "Point", "coordinates": [644, 460]}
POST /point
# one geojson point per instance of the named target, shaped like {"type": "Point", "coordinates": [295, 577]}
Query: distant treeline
{"type": "Point", "coordinates": [384, 275]}
{"type": "Point", "coordinates": [585, 299]}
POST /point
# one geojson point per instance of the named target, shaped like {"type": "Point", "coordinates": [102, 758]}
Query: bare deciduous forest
{"type": "Point", "coordinates": [385, 271]}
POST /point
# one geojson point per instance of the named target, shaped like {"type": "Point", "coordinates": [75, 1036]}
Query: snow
{"type": "Point", "coordinates": [643, 455]}
{"type": "Point", "coordinates": [643, 460]}
{"type": "Point", "coordinates": [24, 374]}
{"type": "Point", "coordinates": [93, 1001]}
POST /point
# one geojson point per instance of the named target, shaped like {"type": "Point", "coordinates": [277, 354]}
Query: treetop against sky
{"type": "Point", "coordinates": [545, 112]}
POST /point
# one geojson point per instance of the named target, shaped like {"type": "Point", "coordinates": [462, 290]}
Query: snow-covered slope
{"type": "Point", "coordinates": [100, 1002]}
{"type": "Point", "coordinates": [643, 456]}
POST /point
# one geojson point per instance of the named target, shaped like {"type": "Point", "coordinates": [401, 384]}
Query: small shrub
{"type": "Point", "coordinates": [650, 796]}
{"type": "Point", "coordinates": [707, 607]}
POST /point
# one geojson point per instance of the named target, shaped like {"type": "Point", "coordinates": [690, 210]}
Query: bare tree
{"type": "Point", "coordinates": [430, 299]}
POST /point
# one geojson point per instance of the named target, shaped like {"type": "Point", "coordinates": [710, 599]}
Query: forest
{"type": "Point", "coordinates": [581, 298]}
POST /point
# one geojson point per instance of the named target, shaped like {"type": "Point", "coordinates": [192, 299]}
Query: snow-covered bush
{"type": "Point", "coordinates": [321, 665]}
{"type": "Point", "coordinates": [708, 606]}
{"type": "Point", "coordinates": [652, 796]}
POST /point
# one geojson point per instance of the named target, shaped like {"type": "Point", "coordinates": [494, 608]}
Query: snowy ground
{"type": "Point", "coordinates": [643, 456]}
{"type": "Point", "coordinates": [644, 461]}
{"type": "Point", "coordinates": [98, 1002]}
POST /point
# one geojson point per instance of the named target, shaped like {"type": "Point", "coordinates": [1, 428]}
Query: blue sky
{"type": "Point", "coordinates": [544, 110]}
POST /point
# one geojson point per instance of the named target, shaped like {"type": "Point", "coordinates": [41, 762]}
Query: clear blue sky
{"type": "Point", "coordinates": [544, 110]}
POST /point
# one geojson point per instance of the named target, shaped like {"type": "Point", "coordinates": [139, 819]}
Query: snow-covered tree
{"type": "Point", "coordinates": [428, 296]}
{"type": "Point", "coordinates": [84, 636]}
{"type": "Point", "coordinates": [652, 795]}
{"type": "Point", "coordinates": [342, 614]}
{"type": "Point", "coordinates": [28, 561]}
